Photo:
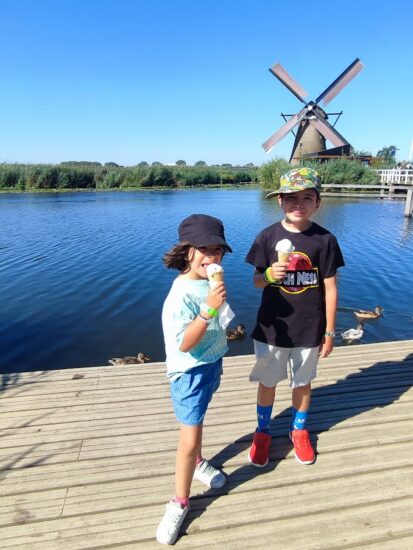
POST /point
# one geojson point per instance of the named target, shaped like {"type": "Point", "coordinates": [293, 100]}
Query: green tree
{"type": "Point", "coordinates": [386, 157]}
{"type": "Point", "coordinates": [200, 163]}
{"type": "Point", "coordinates": [180, 163]}
{"type": "Point", "coordinates": [163, 176]}
{"type": "Point", "coordinates": [388, 153]}
{"type": "Point", "coordinates": [242, 176]}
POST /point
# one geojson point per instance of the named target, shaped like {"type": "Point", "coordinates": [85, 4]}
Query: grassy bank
{"type": "Point", "coordinates": [92, 176]}
{"type": "Point", "coordinates": [83, 176]}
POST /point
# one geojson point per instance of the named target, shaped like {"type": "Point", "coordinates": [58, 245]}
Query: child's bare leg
{"type": "Point", "coordinates": [301, 397]}
{"type": "Point", "coordinates": [189, 448]}
{"type": "Point", "coordinates": [265, 396]}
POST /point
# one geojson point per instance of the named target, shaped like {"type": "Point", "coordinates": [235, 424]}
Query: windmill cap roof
{"type": "Point", "coordinates": [298, 179]}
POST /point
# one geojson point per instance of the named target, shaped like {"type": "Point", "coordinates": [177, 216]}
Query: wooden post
{"type": "Point", "coordinates": [409, 203]}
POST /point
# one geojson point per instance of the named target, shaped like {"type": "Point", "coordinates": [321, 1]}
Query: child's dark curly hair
{"type": "Point", "coordinates": [178, 257]}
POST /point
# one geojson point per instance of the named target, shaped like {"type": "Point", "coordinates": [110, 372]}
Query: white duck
{"type": "Point", "coordinates": [353, 333]}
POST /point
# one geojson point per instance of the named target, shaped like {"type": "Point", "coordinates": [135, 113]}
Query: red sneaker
{"type": "Point", "coordinates": [260, 449]}
{"type": "Point", "coordinates": [304, 452]}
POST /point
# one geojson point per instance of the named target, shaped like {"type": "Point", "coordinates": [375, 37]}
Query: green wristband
{"type": "Point", "coordinates": [269, 278]}
{"type": "Point", "coordinates": [210, 310]}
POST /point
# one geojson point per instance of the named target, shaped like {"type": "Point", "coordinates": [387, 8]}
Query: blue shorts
{"type": "Point", "coordinates": [193, 390]}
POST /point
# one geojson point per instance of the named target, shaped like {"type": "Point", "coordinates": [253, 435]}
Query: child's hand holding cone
{"type": "Point", "coordinates": [278, 269]}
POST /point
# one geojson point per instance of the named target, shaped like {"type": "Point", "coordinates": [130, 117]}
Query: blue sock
{"type": "Point", "coordinates": [264, 418]}
{"type": "Point", "coordinates": [299, 419]}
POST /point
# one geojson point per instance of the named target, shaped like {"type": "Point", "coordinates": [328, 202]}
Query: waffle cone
{"type": "Point", "coordinates": [283, 256]}
{"type": "Point", "coordinates": [217, 277]}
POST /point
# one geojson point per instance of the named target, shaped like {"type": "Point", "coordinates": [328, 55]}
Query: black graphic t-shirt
{"type": "Point", "coordinates": [293, 314]}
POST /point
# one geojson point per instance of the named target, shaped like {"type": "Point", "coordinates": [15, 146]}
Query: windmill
{"type": "Point", "coordinates": [314, 127]}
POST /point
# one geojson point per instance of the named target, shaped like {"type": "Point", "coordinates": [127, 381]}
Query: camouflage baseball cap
{"type": "Point", "coordinates": [298, 180]}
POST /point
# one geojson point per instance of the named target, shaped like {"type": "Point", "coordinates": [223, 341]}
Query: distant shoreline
{"type": "Point", "coordinates": [235, 187]}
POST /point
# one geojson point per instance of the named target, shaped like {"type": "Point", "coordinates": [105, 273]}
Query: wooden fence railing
{"type": "Point", "coordinates": [396, 176]}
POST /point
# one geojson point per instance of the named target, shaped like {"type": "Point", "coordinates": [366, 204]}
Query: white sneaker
{"type": "Point", "coordinates": [168, 529]}
{"type": "Point", "coordinates": [209, 475]}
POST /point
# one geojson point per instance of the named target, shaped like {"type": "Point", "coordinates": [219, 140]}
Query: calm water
{"type": "Point", "coordinates": [81, 277]}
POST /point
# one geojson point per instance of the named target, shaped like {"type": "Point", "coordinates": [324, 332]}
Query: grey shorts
{"type": "Point", "coordinates": [273, 362]}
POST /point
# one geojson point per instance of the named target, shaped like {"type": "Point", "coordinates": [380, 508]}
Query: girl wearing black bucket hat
{"type": "Point", "coordinates": [195, 343]}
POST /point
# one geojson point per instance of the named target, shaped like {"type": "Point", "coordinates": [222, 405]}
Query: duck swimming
{"type": "Point", "coordinates": [237, 333]}
{"type": "Point", "coordinates": [366, 314]}
{"type": "Point", "coordinates": [353, 333]}
{"type": "Point", "coordinates": [130, 360]}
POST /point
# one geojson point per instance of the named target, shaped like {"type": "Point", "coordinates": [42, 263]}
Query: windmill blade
{"type": "Point", "coordinates": [328, 131]}
{"type": "Point", "coordinates": [283, 131]}
{"type": "Point", "coordinates": [279, 72]}
{"type": "Point", "coordinates": [340, 82]}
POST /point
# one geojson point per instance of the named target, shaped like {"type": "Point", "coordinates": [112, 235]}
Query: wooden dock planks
{"type": "Point", "coordinates": [88, 463]}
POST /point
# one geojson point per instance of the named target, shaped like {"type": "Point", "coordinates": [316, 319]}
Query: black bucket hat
{"type": "Point", "coordinates": [202, 230]}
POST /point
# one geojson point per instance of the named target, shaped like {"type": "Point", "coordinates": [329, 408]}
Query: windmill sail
{"type": "Point", "coordinates": [340, 82]}
{"type": "Point", "coordinates": [283, 131]}
{"type": "Point", "coordinates": [279, 72]}
{"type": "Point", "coordinates": [329, 132]}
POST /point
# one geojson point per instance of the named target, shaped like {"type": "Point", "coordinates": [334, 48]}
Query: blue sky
{"type": "Point", "coordinates": [163, 80]}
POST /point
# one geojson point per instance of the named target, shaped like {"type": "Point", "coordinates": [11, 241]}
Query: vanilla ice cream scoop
{"type": "Point", "coordinates": [215, 274]}
{"type": "Point", "coordinates": [284, 248]}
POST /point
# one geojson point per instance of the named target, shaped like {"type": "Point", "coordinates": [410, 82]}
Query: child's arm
{"type": "Point", "coordinates": [259, 280]}
{"type": "Point", "coordinates": [196, 330]}
{"type": "Point", "coordinates": [278, 271]}
{"type": "Point", "coordinates": [330, 288]}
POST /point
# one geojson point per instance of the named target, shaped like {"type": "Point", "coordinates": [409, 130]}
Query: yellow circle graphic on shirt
{"type": "Point", "coordinates": [301, 275]}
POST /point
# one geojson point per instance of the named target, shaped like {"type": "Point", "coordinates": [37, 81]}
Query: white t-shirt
{"type": "Point", "coordinates": [180, 308]}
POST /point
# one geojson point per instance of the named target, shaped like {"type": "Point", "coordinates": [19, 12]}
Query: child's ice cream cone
{"type": "Point", "coordinates": [284, 248]}
{"type": "Point", "coordinates": [283, 256]}
{"type": "Point", "coordinates": [215, 274]}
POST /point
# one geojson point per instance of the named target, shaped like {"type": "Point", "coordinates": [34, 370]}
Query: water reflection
{"type": "Point", "coordinates": [407, 227]}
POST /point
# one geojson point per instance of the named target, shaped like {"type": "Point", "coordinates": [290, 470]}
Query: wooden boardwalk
{"type": "Point", "coordinates": [87, 459]}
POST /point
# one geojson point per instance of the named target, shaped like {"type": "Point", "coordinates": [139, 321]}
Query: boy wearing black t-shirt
{"type": "Point", "coordinates": [296, 318]}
